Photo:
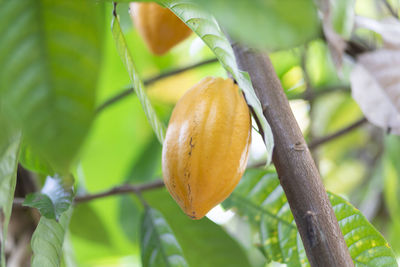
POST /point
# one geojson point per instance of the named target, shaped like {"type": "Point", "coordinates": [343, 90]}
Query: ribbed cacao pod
{"type": "Point", "coordinates": [158, 26]}
{"type": "Point", "coordinates": [206, 146]}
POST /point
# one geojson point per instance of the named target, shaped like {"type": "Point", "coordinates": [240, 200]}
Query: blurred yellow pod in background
{"type": "Point", "coordinates": [158, 26]}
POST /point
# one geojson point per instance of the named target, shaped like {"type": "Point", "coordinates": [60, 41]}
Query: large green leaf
{"type": "Point", "coordinates": [8, 178]}
{"type": "Point", "coordinates": [138, 86]}
{"type": "Point", "coordinates": [198, 238]}
{"type": "Point", "coordinates": [206, 27]}
{"type": "Point", "coordinates": [7, 128]}
{"type": "Point", "coordinates": [264, 24]}
{"type": "Point", "coordinates": [47, 241]}
{"type": "Point", "coordinates": [50, 52]}
{"type": "Point", "coordinates": [148, 165]}
{"type": "Point", "coordinates": [272, 24]}
{"type": "Point", "coordinates": [260, 197]}
{"type": "Point", "coordinates": [158, 243]}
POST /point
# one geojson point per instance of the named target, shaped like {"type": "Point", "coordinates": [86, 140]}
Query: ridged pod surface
{"type": "Point", "coordinates": [158, 26]}
{"type": "Point", "coordinates": [206, 147]}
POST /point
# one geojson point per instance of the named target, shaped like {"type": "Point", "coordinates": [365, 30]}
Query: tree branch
{"type": "Point", "coordinates": [314, 144]}
{"type": "Point", "coordinates": [321, 91]}
{"type": "Point", "coordinates": [151, 80]}
{"type": "Point", "coordinates": [118, 190]}
{"type": "Point", "coordinates": [177, 71]}
{"type": "Point", "coordinates": [298, 175]}
{"type": "Point", "coordinates": [114, 99]}
{"type": "Point", "coordinates": [390, 9]}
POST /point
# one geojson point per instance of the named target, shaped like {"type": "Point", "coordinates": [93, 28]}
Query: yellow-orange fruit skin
{"type": "Point", "coordinates": [206, 147]}
{"type": "Point", "coordinates": [158, 26]}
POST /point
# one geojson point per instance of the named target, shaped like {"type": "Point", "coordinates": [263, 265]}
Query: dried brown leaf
{"type": "Point", "coordinates": [375, 82]}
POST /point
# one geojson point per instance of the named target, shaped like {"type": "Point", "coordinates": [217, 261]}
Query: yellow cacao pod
{"type": "Point", "coordinates": [158, 26]}
{"type": "Point", "coordinates": [206, 147]}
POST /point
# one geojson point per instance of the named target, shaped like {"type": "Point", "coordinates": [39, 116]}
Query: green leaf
{"type": "Point", "coordinates": [267, 24]}
{"type": "Point", "coordinates": [198, 238]}
{"type": "Point", "coordinates": [129, 217]}
{"type": "Point", "coordinates": [205, 26]}
{"type": "Point", "coordinates": [32, 161]}
{"type": "Point", "coordinates": [47, 240]}
{"type": "Point", "coordinates": [86, 223]}
{"type": "Point", "coordinates": [8, 178]}
{"type": "Point", "coordinates": [260, 197]}
{"type": "Point", "coordinates": [148, 164]}
{"type": "Point", "coordinates": [158, 243]}
{"type": "Point", "coordinates": [7, 129]}
{"type": "Point", "coordinates": [55, 197]}
{"type": "Point", "coordinates": [52, 52]}
{"type": "Point", "coordinates": [254, 189]}
{"type": "Point", "coordinates": [366, 245]}
{"type": "Point", "coordinates": [320, 66]}
{"type": "Point", "coordinates": [137, 84]}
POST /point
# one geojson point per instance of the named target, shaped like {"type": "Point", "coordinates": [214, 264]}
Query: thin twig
{"type": "Point", "coordinates": [337, 134]}
{"type": "Point", "coordinates": [390, 9]}
{"type": "Point", "coordinates": [322, 91]}
{"type": "Point", "coordinates": [123, 189]}
{"type": "Point", "coordinates": [309, 95]}
{"type": "Point", "coordinates": [151, 80]}
{"type": "Point", "coordinates": [114, 99]}
{"type": "Point", "coordinates": [319, 92]}
{"type": "Point", "coordinates": [177, 71]}
{"type": "Point", "coordinates": [115, 9]}
{"type": "Point", "coordinates": [118, 190]}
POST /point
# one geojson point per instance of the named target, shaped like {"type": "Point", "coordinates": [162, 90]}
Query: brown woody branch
{"type": "Point", "coordinates": [298, 175]}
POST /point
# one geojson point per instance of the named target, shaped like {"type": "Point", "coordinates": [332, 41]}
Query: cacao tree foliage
{"type": "Point", "coordinates": [84, 105]}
